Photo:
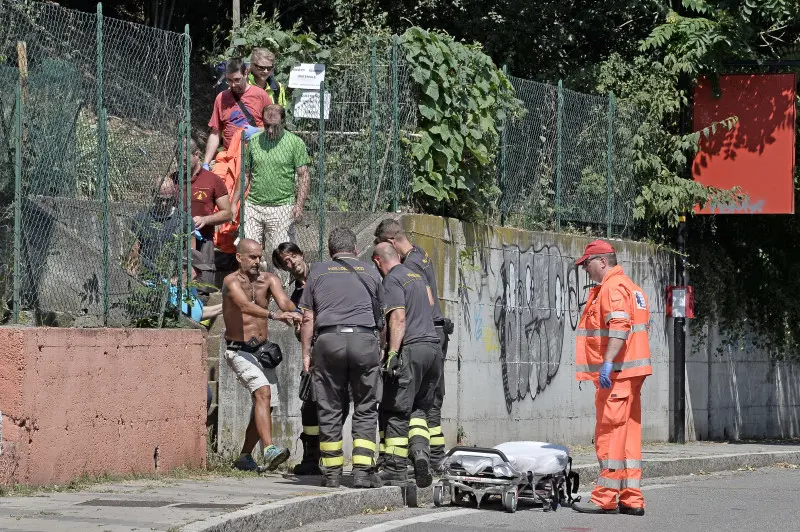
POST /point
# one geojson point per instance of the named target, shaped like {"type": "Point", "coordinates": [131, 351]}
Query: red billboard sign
{"type": "Point", "coordinates": [757, 155]}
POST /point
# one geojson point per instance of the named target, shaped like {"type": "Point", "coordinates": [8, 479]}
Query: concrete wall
{"type": "Point", "coordinates": [738, 392]}
{"type": "Point", "coordinates": [93, 401]}
{"type": "Point", "coordinates": [515, 297]}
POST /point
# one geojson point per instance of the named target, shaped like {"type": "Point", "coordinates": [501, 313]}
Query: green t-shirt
{"type": "Point", "coordinates": [272, 165]}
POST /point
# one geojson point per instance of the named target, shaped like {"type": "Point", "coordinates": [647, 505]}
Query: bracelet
{"type": "Point", "coordinates": [270, 316]}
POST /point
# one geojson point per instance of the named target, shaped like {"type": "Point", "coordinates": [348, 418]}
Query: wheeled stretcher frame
{"type": "Point", "coordinates": [551, 490]}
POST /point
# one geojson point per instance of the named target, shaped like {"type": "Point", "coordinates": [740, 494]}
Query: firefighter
{"type": "Point", "coordinates": [342, 318]}
{"type": "Point", "coordinates": [417, 260]}
{"type": "Point", "coordinates": [412, 369]}
{"type": "Point", "coordinates": [613, 352]}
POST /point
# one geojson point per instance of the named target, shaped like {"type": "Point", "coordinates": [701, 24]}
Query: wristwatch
{"type": "Point", "coordinates": [271, 315]}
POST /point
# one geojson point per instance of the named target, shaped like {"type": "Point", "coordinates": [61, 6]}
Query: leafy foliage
{"type": "Point", "coordinates": [291, 46]}
{"type": "Point", "coordinates": [741, 266]}
{"type": "Point", "coordinates": [463, 101]}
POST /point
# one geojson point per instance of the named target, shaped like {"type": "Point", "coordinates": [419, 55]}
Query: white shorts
{"type": "Point", "coordinates": [251, 374]}
{"type": "Point", "coordinates": [269, 226]}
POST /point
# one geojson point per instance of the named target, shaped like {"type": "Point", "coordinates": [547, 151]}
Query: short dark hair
{"type": "Point", "coordinates": [235, 65]}
{"type": "Point", "coordinates": [282, 249]}
{"type": "Point", "coordinates": [611, 258]}
{"type": "Point", "coordinates": [341, 240]}
{"type": "Point", "coordinates": [274, 108]}
{"type": "Point", "coordinates": [388, 228]}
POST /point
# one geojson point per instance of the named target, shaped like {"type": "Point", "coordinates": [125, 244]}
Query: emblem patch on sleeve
{"type": "Point", "coordinates": [641, 302]}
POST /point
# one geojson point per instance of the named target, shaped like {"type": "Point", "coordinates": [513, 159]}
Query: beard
{"type": "Point", "coordinates": [274, 132]}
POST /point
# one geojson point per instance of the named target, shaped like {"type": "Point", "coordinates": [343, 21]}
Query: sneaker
{"type": "Point", "coordinates": [246, 463]}
{"type": "Point", "coordinates": [422, 472]}
{"type": "Point", "coordinates": [591, 508]}
{"type": "Point", "coordinates": [275, 456]}
{"type": "Point", "coordinates": [630, 510]}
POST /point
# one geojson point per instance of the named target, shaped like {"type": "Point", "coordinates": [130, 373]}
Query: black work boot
{"type": "Point", "coordinates": [331, 481]}
{"type": "Point", "coordinates": [422, 471]}
{"type": "Point", "coordinates": [309, 465]}
{"type": "Point", "coordinates": [366, 479]}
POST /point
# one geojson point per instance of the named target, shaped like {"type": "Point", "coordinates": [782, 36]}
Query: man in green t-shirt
{"type": "Point", "coordinates": [276, 162]}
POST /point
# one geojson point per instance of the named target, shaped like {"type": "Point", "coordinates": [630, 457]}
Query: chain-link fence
{"type": "Point", "coordinates": [94, 111]}
{"type": "Point", "coordinates": [568, 160]}
{"type": "Point", "coordinates": [357, 138]}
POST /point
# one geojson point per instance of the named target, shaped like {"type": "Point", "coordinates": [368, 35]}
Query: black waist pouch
{"type": "Point", "coordinates": [269, 354]}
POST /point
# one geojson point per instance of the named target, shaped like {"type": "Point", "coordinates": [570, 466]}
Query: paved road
{"type": "Point", "coordinates": [764, 499]}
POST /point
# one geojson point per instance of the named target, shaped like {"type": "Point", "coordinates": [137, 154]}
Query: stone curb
{"type": "Point", "coordinates": [674, 467]}
{"type": "Point", "coordinates": [298, 511]}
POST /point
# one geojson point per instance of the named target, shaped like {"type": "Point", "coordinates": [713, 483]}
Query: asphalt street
{"type": "Point", "coordinates": [763, 499]}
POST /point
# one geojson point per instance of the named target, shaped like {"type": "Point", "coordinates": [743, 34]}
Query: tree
{"type": "Point", "coordinates": [742, 266]}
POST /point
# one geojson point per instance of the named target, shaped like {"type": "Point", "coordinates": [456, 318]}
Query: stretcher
{"type": "Point", "coordinates": [536, 472]}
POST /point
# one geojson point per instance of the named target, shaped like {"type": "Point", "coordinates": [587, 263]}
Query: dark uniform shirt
{"type": "Point", "coordinates": [297, 293]}
{"type": "Point", "coordinates": [337, 297]}
{"type": "Point", "coordinates": [404, 289]}
{"type": "Point", "coordinates": [417, 260]}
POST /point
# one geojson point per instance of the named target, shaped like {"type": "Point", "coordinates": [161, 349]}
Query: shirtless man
{"type": "Point", "coordinates": [245, 299]}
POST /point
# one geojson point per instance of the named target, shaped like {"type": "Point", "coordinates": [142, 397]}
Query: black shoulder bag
{"type": "Point", "coordinates": [250, 119]}
{"type": "Point", "coordinates": [376, 310]}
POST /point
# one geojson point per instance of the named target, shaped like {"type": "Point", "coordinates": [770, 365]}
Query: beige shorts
{"type": "Point", "coordinates": [251, 374]}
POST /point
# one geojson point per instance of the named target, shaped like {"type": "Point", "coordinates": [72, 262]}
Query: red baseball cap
{"type": "Point", "coordinates": [595, 247]}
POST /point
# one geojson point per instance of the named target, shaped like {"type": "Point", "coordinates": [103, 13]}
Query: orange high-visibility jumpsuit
{"type": "Point", "coordinates": [228, 166]}
{"type": "Point", "coordinates": [616, 308]}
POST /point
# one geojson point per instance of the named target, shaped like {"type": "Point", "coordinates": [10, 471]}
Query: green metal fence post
{"type": "Point", "coordinates": [609, 166]}
{"type": "Point", "coordinates": [395, 125]}
{"type": "Point", "coordinates": [186, 153]}
{"type": "Point", "coordinates": [182, 171]}
{"type": "Point", "coordinates": [102, 162]}
{"type": "Point", "coordinates": [99, 57]}
{"type": "Point", "coordinates": [242, 186]}
{"type": "Point", "coordinates": [559, 124]}
{"type": "Point", "coordinates": [17, 202]}
{"type": "Point", "coordinates": [373, 106]}
{"type": "Point", "coordinates": [503, 140]}
{"type": "Point", "coordinates": [102, 185]}
{"type": "Point", "coordinates": [321, 172]}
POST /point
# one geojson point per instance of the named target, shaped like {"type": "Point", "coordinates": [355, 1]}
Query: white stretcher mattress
{"type": "Point", "coordinates": [539, 458]}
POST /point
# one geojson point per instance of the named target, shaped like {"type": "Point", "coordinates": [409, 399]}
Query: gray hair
{"type": "Point", "coordinates": [341, 240]}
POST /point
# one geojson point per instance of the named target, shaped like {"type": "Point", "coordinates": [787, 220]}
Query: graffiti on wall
{"type": "Point", "coordinates": [543, 292]}
{"type": "Point", "coordinates": [523, 308]}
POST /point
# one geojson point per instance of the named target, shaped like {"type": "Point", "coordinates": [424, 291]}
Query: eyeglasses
{"type": "Point", "coordinates": [264, 67]}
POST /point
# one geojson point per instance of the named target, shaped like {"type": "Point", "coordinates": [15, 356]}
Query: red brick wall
{"type": "Point", "coordinates": [93, 401]}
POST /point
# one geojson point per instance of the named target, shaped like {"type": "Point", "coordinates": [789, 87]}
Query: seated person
{"type": "Point", "coordinates": [154, 230]}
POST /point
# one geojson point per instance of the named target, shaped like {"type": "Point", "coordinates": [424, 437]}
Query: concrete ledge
{"type": "Point", "coordinates": [300, 511]}
{"type": "Point", "coordinates": [709, 464]}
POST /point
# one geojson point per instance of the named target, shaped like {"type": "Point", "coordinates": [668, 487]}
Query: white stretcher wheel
{"type": "Point", "coordinates": [438, 495]}
{"type": "Point", "coordinates": [510, 501]}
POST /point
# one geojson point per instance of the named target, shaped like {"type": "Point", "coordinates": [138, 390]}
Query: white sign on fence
{"type": "Point", "coordinates": [307, 76]}
{"type": "Point", "coordinates": [306, 104]}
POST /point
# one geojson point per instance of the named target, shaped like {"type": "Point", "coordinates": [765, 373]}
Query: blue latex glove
{"type": "Point", "coordinates": [206, 167]}
{"type": "Point", "coordinates": [605, 374]}
{"type": "Point", "coordinates": [249, 131]}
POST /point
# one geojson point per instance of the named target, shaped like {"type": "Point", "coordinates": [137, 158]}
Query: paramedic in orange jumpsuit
{"type": "Point", "coordinates": [612, 351]}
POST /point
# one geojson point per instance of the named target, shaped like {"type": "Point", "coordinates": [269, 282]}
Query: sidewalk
{"type": "Point", "coordinates": [276, 502]}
